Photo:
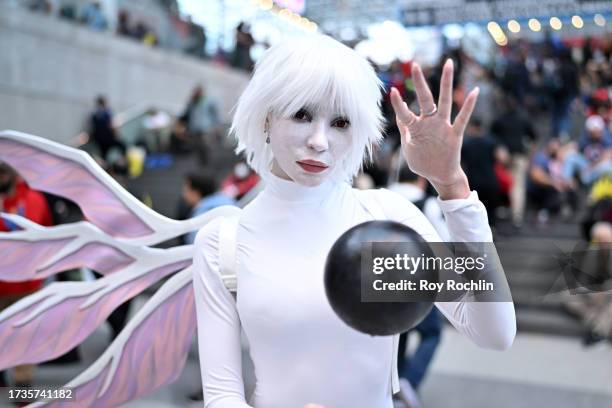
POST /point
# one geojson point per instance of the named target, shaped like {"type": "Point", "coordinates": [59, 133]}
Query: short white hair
{"type": "Point", "coordinates": [306, 71]}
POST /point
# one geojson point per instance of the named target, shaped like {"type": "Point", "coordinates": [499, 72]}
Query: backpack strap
{"type": "Point", "coordinates": [371, 203]}
{"type": "Point", "coordinates": [228, 233]}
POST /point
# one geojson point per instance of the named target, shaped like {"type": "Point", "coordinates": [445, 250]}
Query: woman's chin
{"type": "Point", "coordinates": [311, 180]}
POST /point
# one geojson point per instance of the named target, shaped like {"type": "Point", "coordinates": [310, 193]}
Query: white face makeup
{"type": "Point", "coordinates": [309, 146]}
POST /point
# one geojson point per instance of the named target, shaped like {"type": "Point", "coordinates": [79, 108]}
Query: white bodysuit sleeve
{"type": "Point", "coordinates": [218, 326]}
{"type": "Point", "coordinates": [488, 324]}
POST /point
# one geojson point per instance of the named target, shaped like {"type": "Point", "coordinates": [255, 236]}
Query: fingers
{"type": "Point", "coordinates": [463, 117]}
{"type": "Point", "coordinates": [445, 101]}
{"type": "Point", "coordinates": [402, 112]}
{"type": "Point", "coordinates": [426, 101]}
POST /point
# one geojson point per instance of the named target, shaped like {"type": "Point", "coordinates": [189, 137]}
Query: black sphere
{"type": "Point", "coordinates": [343, 279]}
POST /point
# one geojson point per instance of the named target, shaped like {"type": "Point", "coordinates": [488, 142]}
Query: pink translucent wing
{"type": "Point", "coordinates": [64, 325]}
{"type": "Point", "coordinates": [79, 178]}
{"type": "Point", "coordinates": [102, 258]}
{"type": "Point", "coordinates": [20, 260]}
{"type": "Point", "coordinates": [148, 354]}
{"type": "Point", "coordinates": [71, 173]}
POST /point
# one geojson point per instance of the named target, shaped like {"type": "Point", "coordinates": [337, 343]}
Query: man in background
{"type": "Point", "coordinates": [201, 195]}
{"type": "Point", "coordinates": [513, 130]}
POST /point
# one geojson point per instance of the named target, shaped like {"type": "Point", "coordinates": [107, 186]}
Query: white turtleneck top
{"type": "Point", "coordinates": [302, 352]}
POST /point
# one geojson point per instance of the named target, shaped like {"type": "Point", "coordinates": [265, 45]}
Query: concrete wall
{"type": "Point", "coordinates": [51, 71]}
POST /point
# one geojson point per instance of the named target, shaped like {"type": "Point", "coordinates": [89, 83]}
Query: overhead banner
{"type": "Point", "coordinates": [434, 12]}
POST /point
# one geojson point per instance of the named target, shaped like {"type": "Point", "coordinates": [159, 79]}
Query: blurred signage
{"type": "Point", "coordinates": [434, 12]}
{"type": "Point", "coordinates": [297, 6]}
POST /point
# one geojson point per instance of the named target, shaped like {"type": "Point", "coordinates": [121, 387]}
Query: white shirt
{"type": "Point", "coordinates": [302, 352]}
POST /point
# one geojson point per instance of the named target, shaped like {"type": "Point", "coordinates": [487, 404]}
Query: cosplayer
{"type": "Point", "coordinates": [305, 122]}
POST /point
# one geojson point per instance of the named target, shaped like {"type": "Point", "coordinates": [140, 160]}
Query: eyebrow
{"type": "Point", "coordinates": [310, 108]}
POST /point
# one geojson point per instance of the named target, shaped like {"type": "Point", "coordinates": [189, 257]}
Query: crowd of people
{"type": "Point", "coordinates": [540, 133]}
{"type": "Point", "coordinates": [193, 38]}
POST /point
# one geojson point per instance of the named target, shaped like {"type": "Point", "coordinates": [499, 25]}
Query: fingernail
{"type": "Point", "coordinates": [449, 62]}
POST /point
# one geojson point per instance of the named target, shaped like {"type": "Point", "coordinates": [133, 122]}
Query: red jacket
{"type": "Point", "coordinates": [33, 206]}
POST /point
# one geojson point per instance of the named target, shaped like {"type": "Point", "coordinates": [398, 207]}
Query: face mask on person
{"type": "Point", "coordinates": [309, 146]}
{"type": "Point", "coordinates": [241, 171]}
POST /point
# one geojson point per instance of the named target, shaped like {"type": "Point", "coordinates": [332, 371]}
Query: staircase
{"type": "Point", "coordinates": [527, 256]}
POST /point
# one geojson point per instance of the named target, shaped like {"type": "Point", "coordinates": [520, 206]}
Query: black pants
{"type": "Point", "coordinates": [489, 195]}
{"type": "Point", "coordinates": [545, 198]}
{"type": "Point", "coordinates": [105, 144]}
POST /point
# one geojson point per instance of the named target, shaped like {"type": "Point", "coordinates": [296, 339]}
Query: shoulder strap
{"type": "Point", "coordinates": [371, 203]}
{"type": "Point", "coordinates": [227, 251]}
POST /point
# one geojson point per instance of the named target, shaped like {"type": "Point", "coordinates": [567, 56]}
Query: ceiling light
{"type": "Point", "coordinates": [555, 23]}
{"type": "Point", "coordinates": [534, 25]}
{"type": "Point", "coordinates": [577, 22]}
{"type": "Point", "coordinates": [514, 26]}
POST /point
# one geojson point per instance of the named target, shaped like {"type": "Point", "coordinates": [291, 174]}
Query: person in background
{"type": "Point", "coordinates": [197, 39]}
{"type": "Point", "coordinates": [241, 57]}
{"type": "Point", "coordinates": [94, 17]}
{"type": "Point", "coordinates": [179, 138]}
{"type": "Point", "coordinates": [102, 130]}
{"type": "Point", "coordinates": [240, 182]}
{"type": "Point", "coordinates": [40, 6]}
{"type": "Point", "coordinates": [513, 130]}
{"type": "Point", "coordinates": [68, 11]}
{"type": "Point", "coordinates": [596, 138]}
{"type": "Point", "coordinates": [200, 193]}
{"type": "Point", "coordinates": [546, 187]}
{"type": "Point", "coordinates": [203, 121]}
{"type": "Point", "coordinates": [17, 198]}
{"type": "Point", "coordinates": [593, 158]}
{"type": "Point", "coordinates": [504, 177]}
{"type": "Point", "coordinates": [564, 90]}
{"type": "Point", "coordinates": [414, 188]}
{"type": "Point", "coordinates": [124, 27]}
{"type": "Point", "coordinates": [478, 158]}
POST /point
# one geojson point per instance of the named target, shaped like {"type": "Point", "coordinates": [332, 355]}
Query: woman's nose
{"type": "Point", "coordinates": [318, 139]}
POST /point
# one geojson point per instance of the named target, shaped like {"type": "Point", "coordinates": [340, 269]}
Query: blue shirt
{"type": "Point", "coordinates": [206, 204]}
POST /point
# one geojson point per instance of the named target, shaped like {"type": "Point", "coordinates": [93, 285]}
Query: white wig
{"type": "Point", "coordinates": [310, 71]}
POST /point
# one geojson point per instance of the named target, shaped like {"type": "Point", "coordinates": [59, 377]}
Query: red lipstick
{"type": "Point", "coordinates": [312, 166]}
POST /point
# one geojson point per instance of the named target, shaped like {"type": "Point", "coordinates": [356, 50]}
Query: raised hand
{"type": "Point", "coordinates": [430, 143]}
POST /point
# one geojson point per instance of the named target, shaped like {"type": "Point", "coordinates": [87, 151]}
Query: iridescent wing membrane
{"type": "Point", "coordinates": [113, 241]}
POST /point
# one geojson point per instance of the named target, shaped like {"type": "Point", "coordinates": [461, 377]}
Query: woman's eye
{"type": "Point", "coordinates": [341, 123]}
{"type": "Point", "coordinates": [301, 115]}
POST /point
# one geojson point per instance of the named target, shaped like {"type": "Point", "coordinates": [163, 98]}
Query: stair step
{"type": "Point", "coordinates": [548, 322]}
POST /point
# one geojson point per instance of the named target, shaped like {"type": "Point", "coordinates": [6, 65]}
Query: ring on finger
{"type": "Point", "coordinates": [433, 111]}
